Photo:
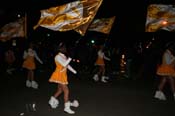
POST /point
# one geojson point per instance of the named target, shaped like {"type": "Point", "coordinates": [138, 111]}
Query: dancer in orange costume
{"type": "Point", "coordinates": [59, 76]}
{"type": "Point", "coordinates": [101, 64]}
{"type": "Point", "coordinates": [29, 64]}
{"type": "Point", "coordinates": [167, 72]}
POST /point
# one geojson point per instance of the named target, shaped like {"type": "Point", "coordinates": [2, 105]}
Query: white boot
{"type": "Point", "coordinates": [160, 95]}
{"type": "Point", "coordinates": [67, 108]}
{"type": "Point", "coordinates": [53, 102]}
{"type": "Point", "coordinates": [28, 83]}
{"type": "Point", "coordinates": [34, 85]}
{"type": "Point", "coordinates": [157, 95]}
{"type": "Point", "coordinates": [9, 71]}
{"type": "Point", "coordinates": [95, 77]}
{"type": "Point", "coordinates": [106, 77]}
{"type": "Point", "coordinates": [174, 96]}
{"type": "Point", "coordinates": [103, 79]}
{"type": "Point", "coordinates": [75, 103]}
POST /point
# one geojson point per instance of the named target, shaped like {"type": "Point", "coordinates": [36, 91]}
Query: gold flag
{"type": "Point", "coordinates": [69, 16]}
{"type": "Point", "coordinates": [160, 16]}
{"type": "Point", "coordinates": [90, 9]}
{"type": "Point", "coordinates": [13, 29]}
{"type": "Point", "coordinates": [102, 25]}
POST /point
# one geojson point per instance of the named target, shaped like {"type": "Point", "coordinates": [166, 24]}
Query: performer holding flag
{"type": "Point", "coordinates": [59, 76]}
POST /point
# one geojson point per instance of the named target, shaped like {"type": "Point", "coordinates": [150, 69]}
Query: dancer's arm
{"type": "Point", "coordinates": [63, 61]}
{"type": "Point", "coordinates": [71, 69]}
{"type": "Point", "coordinates": [38, 59]}
{"type": "Point", "coordinates": [25, 55]}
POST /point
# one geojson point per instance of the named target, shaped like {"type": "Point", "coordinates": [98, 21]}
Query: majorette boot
{"type": "Point", "coordinates": [67, 108]}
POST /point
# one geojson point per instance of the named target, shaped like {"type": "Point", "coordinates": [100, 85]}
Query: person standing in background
{"type": "Point", "coordinates": [10, 59]}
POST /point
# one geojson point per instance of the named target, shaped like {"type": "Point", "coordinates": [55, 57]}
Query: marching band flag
{"type": "Point", "coordinates": [103, 25]}
{"type": "Point", "coordinates": [69, 16]}
{"type": "Point", "coordinates": [90, 9]}
{"type": "Point", "coordinates": [160, 16]}
{"type": "Point", "coordinates": [13, 29]}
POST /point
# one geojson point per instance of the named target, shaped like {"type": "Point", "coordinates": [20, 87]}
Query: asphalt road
{"type": "Point", "coordinates": [119, 97]}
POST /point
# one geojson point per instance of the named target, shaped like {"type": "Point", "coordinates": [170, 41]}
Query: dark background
{"type": "Point", "coordinates": [130, 17]}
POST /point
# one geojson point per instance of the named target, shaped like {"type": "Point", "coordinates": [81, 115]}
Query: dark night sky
{"type": "Point", "coordinates": [130, 16]}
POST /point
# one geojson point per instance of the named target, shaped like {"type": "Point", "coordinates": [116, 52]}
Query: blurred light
{"type": "Point", "coordinates": [48, 35]}
{"type": "Point", "coordinates": [76, 60]}
{"type": "Point", "coordinates": [164, 22]}
{"type": "Point", "coordinates": [123, 56]}
{"type": "Point", "coordinates": [92, 41]}
{"type": "Point", "coordinates": [14, 43]}
{"type": "Point", "coordinates": [18, 15]}
{"type": "Point", "coordinates": [149, 45]}
{"type": "Point", "coordinates": [122, 64]}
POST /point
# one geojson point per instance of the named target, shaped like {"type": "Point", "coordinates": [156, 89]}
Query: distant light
{"type": "Point", "coordinates": [149, 45]}
{"type": "Point", "coordinates": [48, 35]}
{"type": "Point", "coordinates": [164, 22]}
{"type": "Point", "coordinates": [123, 56]}
{"type": "Point", "coordinates": [92, 41]}
{"type": "Point", "coordinates": [19, 15]}
{"type": "Point", "coordinates": [76, 60]}
{"type": "Point", "coordinates": [14, 43]}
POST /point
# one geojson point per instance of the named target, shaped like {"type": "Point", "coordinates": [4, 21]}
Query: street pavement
{"type": "Point", "coordinates": [119, 97]}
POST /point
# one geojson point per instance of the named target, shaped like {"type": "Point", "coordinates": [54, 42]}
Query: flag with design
{"type": "Point", "coordinates": [160, 17]}
{"type": "Point", "coordinates": [69, 16]}
{"type": "Point", "coordinates": [102, 25]}
{"type": "Point", "coordinates": [13, 29]}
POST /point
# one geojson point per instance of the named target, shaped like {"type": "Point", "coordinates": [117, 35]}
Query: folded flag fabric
{"type": "Point", "coordinates": [69, 16]}
{"type": "Point", "coordinates": [160, 17]}
{"type": "Point", "coordinates": [102, 25]}
{"type": "Point", "coordinates": [13, 29]}
{"type": "Point", "coordinates": [90, 9]}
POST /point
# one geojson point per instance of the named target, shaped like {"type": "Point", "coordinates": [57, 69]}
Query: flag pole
{"type": "Point", "coordinates": [108, 34]}
{"type": "Point", "coordinates": [25, 26]}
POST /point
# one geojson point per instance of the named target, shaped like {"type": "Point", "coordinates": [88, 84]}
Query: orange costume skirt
{"type": "Point", "coordinates": [99, 61]}
{"type": "Point", "coordinates": [165, 70]}
{"type": "Point", "coordinates": [59, 75]}
{"type": "Point", "coordinates": [29, 63]}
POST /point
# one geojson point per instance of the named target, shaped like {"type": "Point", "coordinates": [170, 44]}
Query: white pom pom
{"type": "Point", "coordinates": [75, 103]}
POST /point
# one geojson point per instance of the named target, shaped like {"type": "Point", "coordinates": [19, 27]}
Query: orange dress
{"type": "Point", "coordinates": [29, 59]}
{"type": "Point", "coordinates": [60, 73]}
{"type": "Point", "coordinates": [166, 70]}
{"type": "Point", "coordinates": [29, 63]}
{"type": "Point", "coordinates": [167, 67]}
{"type": "Point", "coordinates": [99, 61]}
{"type": "Point", "coordinates": [100, 58]}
